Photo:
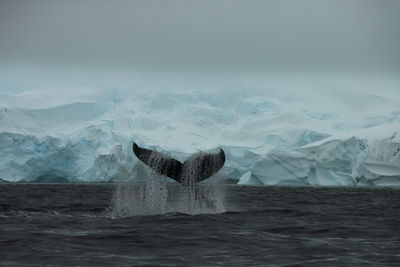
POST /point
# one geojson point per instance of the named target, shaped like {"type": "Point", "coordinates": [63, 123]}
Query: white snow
{"type": "Point", "coordinates": [278, 136]}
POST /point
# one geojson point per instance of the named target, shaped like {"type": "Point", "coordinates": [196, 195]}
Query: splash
{"type": "Point", "coordinates": [158, 196]}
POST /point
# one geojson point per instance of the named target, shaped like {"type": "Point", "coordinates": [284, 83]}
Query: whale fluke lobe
{"type": "Point", "coordinates": [203, 165]}
{"type": "Point", "coordinates": [159, 162]}
{"type": "Point", "coordinates": [198, 167]}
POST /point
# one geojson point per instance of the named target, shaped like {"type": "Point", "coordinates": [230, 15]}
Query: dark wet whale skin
{"type": "Point", "coordinates": [196, 168]}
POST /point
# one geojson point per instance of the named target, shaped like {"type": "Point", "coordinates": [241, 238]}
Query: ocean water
{"type": "Point", "coordinates": [158, 224]}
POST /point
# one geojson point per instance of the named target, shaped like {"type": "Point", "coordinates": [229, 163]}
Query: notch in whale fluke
{"type": "Point", "coordinates": [198, 167]}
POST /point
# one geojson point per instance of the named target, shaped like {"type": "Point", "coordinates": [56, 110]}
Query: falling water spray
{"type": "Point", "coordinates": [158, 196]}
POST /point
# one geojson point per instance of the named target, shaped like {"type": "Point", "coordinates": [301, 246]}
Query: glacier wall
{"type": "Point", "coordinates": [271, 137]}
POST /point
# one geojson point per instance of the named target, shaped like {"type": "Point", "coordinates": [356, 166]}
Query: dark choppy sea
{"type": "Point", "coordinates": [133, 225]}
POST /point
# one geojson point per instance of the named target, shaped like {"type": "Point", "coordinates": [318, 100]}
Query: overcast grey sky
{"type": "Point", "coordinates": [304, 35]}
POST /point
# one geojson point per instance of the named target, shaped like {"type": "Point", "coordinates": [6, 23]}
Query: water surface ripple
{"type": "Point", "coordinates": [79, 224]}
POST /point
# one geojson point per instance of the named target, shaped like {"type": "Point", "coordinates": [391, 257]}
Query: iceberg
{"type": "Point", "coordinates": [270, 137]}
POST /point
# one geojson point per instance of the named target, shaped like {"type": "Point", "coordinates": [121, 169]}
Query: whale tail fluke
{"type": "Point", "coordinates": [198, 167]}
{"type": "Point", "coordinates": [159, 162]}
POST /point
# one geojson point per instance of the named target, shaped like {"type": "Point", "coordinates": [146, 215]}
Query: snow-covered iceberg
{"type": "Point", "coordinates": [271, 137]}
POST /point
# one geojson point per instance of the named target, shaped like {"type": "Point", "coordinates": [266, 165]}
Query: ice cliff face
{"type": "Point", "coordinates": [270, 137]}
